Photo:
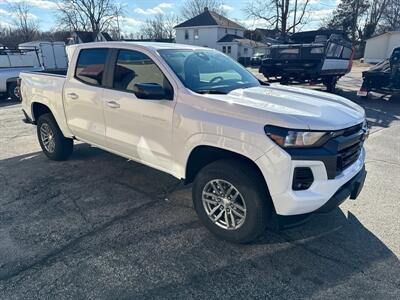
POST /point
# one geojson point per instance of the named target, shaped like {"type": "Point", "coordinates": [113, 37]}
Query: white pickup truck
{"type": "Point", "coordinates": [254, 152]}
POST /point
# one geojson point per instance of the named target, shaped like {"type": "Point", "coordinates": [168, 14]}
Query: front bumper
{"type": "Point", "coordinates": [351, 189]}
{"type": "Point", "coordinates": [278, 168]}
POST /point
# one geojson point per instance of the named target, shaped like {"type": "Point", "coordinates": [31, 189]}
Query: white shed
{"type": "Point", "coordinates": [380, 47]}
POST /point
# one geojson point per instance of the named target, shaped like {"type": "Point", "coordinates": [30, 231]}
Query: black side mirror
{"type": "Point", "coordinates": [151, 91]}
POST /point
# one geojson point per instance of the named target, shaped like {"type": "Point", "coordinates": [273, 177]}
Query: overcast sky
{"type": "Point", "coordinates": [138, 11]}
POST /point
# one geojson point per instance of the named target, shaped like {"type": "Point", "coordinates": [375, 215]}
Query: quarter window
{"type": "Point", "coordinates": [133, 68]}
{"type": "Point", "coordinates": [346, 54]}
{"type": "Point", "coordinates": [90, 65]}
{"type": "Point", "coordinates": [334, 50]}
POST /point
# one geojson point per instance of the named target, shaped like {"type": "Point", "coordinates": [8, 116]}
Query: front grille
{"type": "Point", "coordinates": [350, 150]}
{"type": "Point", "coordinates": [352, 130]}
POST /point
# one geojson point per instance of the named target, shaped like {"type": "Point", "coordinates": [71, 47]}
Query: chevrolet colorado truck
{"type": "Point", "coordinates": [254, 152]}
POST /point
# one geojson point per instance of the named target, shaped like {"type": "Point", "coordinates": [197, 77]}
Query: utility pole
{"type": "Point", "coordinates": [294, 18]}
{"type": "Point", "coordinates": [355, 18]}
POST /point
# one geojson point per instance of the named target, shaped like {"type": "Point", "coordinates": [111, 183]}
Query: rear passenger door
{"type": "Point", "coordinates": [139, 127]}
{"type": "Point", "coordinates": [83, 96]}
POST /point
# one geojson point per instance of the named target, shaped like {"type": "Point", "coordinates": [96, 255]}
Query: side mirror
{"type": "Point", "coordinates": [152, 91]}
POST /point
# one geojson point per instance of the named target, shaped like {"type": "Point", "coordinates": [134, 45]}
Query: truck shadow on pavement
{"type": "Point", "coordinates": [4, 102]}
{"type": "Point", "coordinates": [99, 226]}
{"type": "Point", "coordinates": [381, 110]}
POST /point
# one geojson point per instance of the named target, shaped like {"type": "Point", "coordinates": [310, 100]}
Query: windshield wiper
{"type": "Point", "coordinates": [216, 92]}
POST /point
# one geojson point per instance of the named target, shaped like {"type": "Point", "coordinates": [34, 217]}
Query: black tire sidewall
{"type": "Point", "coordinates": [10, 91]}
{"type": "Point", "coordinates": [256, 197]}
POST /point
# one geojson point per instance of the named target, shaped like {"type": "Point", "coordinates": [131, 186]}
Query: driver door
{"type": "Point", "coordinates": [136, 127]}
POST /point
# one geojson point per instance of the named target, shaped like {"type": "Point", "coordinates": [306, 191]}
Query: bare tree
{"type": "Point", "coordinates": [159, 27]}
{"type": "Point", "coordinates": [25, 23]}
{"type": "Point", "coordinates": [374, 16]}
{"type": "Point", "coordinates": [89, 15]}
{"type": "Point", "coordinates": [192, 8]}
{"type": "Point", "coordinates": [391, 16]}
{"type": "Point", "coordinates": [284, 15]}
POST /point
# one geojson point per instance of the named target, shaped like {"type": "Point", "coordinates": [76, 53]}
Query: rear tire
{"type": "Point", "coordinates": [51, 140]}
{"type": "Point", "coordinates": [232, 200]}
{"type": "Point", "coordinates": [13, 92]}
{"type": "Point", "coordinates": [331, 85]}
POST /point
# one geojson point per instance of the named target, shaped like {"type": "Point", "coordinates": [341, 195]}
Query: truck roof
{"type": "Point", "coordinates": [149, 45]}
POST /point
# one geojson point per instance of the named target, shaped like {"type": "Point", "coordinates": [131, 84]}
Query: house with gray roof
{"type": "Point", "coordinates": [212, 30]}
{"type": "Point", "coordinates": [81, 37]}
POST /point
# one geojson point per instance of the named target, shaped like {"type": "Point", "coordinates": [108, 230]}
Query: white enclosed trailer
{"type": "Point", "coordinates": [52, 55]}
{"type": "Point", "coordinates": [380, 47]}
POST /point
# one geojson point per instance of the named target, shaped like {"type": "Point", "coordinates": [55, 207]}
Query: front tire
{"type": "Point", "coordinates": [53, 143]}
{"type": "Point", "coordinates": [232, 201]}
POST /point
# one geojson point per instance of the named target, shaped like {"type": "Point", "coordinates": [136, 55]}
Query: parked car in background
{"type": "Point", "coordinates": [320, 56]}
{"type": "Point", "coordinates": [12, 62]}
{"type": "Point", "coordinates": [256, 59]}
{"type": "Point", "coordinates": [252, 150]}
{"type": "Point", "coordinates": [33, 56]}
{"type": "Point", "coordinates": [384, 77]}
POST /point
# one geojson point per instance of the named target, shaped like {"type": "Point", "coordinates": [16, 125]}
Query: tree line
{"type": "Point", "coordinates": [360, 19]}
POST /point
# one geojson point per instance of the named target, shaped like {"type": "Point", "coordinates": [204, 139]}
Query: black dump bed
{"type": "Point", "coordinates": [384, 76]}
{"type": "Point", "coordinates": [303, 56]}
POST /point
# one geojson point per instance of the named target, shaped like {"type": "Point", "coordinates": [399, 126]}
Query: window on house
{"type": "Point", "coordinates": [196, 34]}
{"type": "Point", "coordinates": [229, 49]}
{"type": "Point", "coordinates": [224, 49]}
{"type": "Point", "coordinates": [186, 34]}
{"type": "Point", "coordinates": [245, 50]}
{"type": "Point", "coordinates": [90, 65]}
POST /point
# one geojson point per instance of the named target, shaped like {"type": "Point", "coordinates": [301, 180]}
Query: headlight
{"type": "Point", "coordinates": [296, 138]}
{"type": "Point", "coordinates": [318, 50]}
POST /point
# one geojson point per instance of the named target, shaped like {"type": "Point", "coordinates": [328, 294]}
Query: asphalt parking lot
{"type": "Point", "coordinates": [101, 227]}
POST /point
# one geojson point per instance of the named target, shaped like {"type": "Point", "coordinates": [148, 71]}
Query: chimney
{"type": "Point", "coordinates": [205, 9]}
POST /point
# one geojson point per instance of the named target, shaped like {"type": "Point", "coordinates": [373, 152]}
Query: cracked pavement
{"type": "Point", "coordinates": [98, 226]}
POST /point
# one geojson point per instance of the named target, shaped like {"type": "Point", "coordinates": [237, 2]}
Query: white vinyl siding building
{"type": "Point", "coordinates": [212, 30]}
{"type": "Point", "coordinates": [380, 47]}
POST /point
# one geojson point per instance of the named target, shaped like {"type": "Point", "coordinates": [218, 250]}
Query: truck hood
{"type": "Point", "coordinates": [294, 107]}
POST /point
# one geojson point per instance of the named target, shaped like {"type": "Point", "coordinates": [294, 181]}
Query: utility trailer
{"type": "Point", "coordinates": [382, 78]}
{"type": "Point", "coordinates": [320, 56]}
{"type": "Point", "coordinates": [29, 57]}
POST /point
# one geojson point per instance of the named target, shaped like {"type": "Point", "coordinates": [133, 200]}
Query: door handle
{"type": "Point", "coordinates": [72, 96]}
{"type": "Point", "coordinates": [112, 104]}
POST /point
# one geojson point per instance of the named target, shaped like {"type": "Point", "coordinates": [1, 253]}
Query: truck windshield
{"type": "Point", "coordinates": [208, 72]}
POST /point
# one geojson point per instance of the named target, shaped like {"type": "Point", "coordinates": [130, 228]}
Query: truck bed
{"type": "Point", "coordinates": [45, 87]}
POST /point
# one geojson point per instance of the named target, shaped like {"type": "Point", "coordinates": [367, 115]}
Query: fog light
{"type": "Point", "coordinates": [302, 178]}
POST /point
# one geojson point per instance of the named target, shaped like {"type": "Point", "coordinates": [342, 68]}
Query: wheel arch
{"type": "Point", "coordinates": [42, 106]}
{"type": "Point", "coordinates": [203, 155]}
{"type": "Point", "coordinates": [38, 109]}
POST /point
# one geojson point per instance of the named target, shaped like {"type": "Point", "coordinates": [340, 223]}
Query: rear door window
{"type": "Point", "coordinates": [90, 65]}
